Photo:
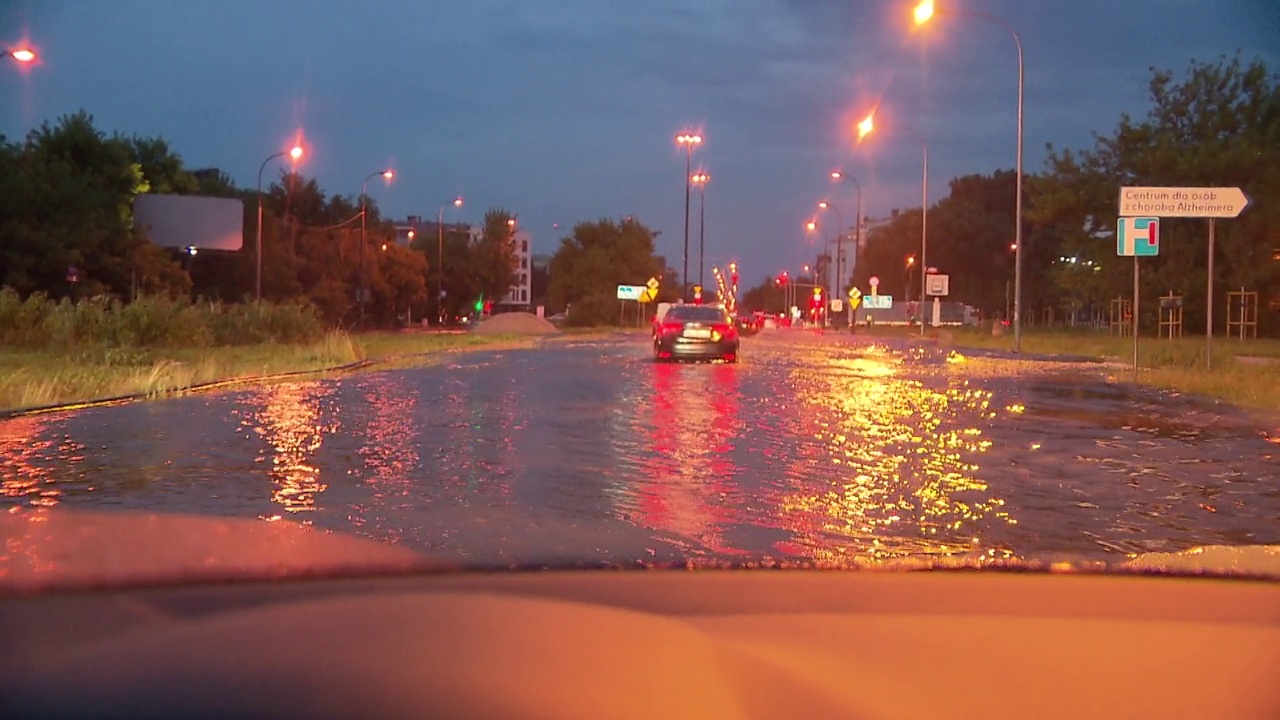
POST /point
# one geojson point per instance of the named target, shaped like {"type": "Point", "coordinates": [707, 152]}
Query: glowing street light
{"type": "Point", "coordinates": [923, 13]}
{"type": "Point", "coordinates": [387, 175]}
{"type": "Point", "coordinates": [811, 226]}
{"type": "Point", "coordinates": [24, 55]}
{"type": "Point", "coordinates": [456, 202]}
{"type": "Point", "coordinates": [865, 127]}
{"type": "Point", "coordinates": [294, 153]}
{"type": "Point", "coordinates": [688, 141]}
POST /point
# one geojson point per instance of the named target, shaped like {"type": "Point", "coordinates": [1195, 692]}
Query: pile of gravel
{"type": "Point", "coordinates": [515, 323]}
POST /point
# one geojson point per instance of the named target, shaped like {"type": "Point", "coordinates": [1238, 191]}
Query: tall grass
{"type": "Point", "coordinates": [38, 322]}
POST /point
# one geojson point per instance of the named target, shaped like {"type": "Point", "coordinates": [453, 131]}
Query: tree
{"type": "Point", "coordinates": [591, 263]}
{"type": "Point", "coordinates": [495, 264]}
{"type": "Point", "coordinates": [66, 211]}
{"type": "Point", "coordinates": [1219, 126]}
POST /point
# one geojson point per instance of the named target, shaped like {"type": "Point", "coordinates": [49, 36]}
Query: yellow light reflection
{"type": "Point", "coordinates": [290, 421]}
{"type": "Point", "coordinates": [907, 480]}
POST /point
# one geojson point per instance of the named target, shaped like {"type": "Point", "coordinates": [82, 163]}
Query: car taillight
{"type": "Point", "coordinates": [723, 330]}
{"type": "Point", "coordinates": [670, 327]}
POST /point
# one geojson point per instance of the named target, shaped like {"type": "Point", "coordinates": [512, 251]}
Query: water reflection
{"type": "Point", "coordinates": [689, 486]}
{"type": "Point", "coordinates": [25, 448]}
{"type": "Point", "coordinates": [291, 420]}
{"type": "Point", "coordinates": [891, 467]}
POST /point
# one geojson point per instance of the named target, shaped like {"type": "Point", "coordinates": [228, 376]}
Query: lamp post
{"type": "Point", "coordinates": [295, 153]}
{"type": "Point", "coordinates": [865, 126]}
{"type": "Point", "coordinates": [922, 14]}
{"type": "Point", "coordinates": [700, 179]}
{"type": "Point", "coordinates": [857, 237]}
{"type": "Point", "coordinates": [456, 202]}
{"type": "Point", "coordinates": [388, 174]}
{"type": "Point", "coordinates": [836, 283]}
{"type": "Point", "coordinates": [687, 141]}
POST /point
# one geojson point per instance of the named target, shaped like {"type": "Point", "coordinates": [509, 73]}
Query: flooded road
{"type": "Point", "coordinates": [815, 447]}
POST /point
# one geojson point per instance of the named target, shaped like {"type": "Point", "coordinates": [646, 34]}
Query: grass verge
{"type": "Point", "coordinates": [36, 378]}
{"type": "Point", "coordinates": [1177, 364]}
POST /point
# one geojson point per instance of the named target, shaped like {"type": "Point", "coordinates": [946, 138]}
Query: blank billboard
{"type": "Point", "coordinates": [181, 221]}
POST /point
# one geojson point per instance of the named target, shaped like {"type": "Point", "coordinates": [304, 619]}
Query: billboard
{"type": "Point", "coordinates": [182, 221]}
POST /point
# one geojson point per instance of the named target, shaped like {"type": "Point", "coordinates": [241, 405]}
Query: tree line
{"type": "Point", "coordinates": [67, 231]}
{"type": "Point", "coordinates": [1218, 125]}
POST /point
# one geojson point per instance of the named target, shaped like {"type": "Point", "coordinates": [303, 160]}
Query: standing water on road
{"type": "Point", "coordinates": [818, 448]}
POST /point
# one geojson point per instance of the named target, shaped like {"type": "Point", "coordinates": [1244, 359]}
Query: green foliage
{"type": "Point", "coordinates": [597, 258]}
{"type": "Point", "coordinates": [595, 311]}
{"type": "Point", "coordinates": [38, 322]}
{"type": "Point", "coordinates": [1218, 126]}
{"type": "Point", "coordinates": [495, 264]}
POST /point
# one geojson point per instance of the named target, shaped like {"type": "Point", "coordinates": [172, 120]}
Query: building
{"type": "Point", "coordinates": [522, 292]}
{"type": "Point", "coordinates": [415, 228]}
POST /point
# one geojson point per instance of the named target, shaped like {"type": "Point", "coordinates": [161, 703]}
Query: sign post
{"type": "Point", "coordinates": [1188, 202]}
{"type": "Point", "coordinates": [1137, 237]}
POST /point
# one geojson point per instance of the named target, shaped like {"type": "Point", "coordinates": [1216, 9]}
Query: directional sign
{"type": "Point", "coordinates": [877, 302]}
{"type": "Point", "coordinates": [1138, 236]}
{"type": "Point", "coordinates": [652, 284]}
{"type": "Point", "coordinates": [1183, 202]}
{"type": "Point", "coordinates": [631, 292]}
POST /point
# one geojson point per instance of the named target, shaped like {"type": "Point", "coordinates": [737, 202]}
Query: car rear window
{"type": "Point", "coordinates": [693, 312]}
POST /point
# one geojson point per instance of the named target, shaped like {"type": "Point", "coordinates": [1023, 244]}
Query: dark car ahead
{"type": "Point", "coordinates": [695, 332]}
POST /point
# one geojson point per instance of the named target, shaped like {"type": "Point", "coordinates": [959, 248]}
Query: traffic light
{"type": "Point", "coordinates": [480, 305]}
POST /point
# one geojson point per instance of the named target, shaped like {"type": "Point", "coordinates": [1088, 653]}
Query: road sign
{"type": "Point", "coordinates": [874, 281]}
{"type": "Point", "coordinates": [837, 305]}
{"type": "Point", "coordinates": [877, 302]}
{"type": "Point", "coordinates": [1183, 202]}
{"type": "Point", "coordinates": [1138, 237]}
{"type": "Point", "coordinates": [649, 295]}
{"type": "Point", "coordinates": [653, 283]}
{"type": "Point", "coordinates": [937, 285]}
{"type": "Point", "coordinates": [631, 292]}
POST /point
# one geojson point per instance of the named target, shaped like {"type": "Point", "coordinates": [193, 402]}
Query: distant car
{"type": "Point", "coordinates": [695, 332]}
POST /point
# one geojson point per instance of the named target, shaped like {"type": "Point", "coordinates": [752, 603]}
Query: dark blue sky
{"type": "Point", "coordinates": [565, 110]}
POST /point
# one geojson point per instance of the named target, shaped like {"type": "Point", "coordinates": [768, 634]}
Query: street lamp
{"type": "Point", "coordinates": [387, 174]}
{"type": "Point", "coordinates": [857, 237]}
{"type": "Point", "coordinates": [824, 205]}
{"type": "Point", "coordinates": [294, 153]}
{"type": "Point", "coordinates": [24, 55]}
{"type": "Point", "coordinates": [700, 179]}
{"type": "Point", "coordinates": [688, 142]}
{"type": "Point", "coordinates": [923, 13]}
{"type": "Point", "coordinates": [865, 127]}
{"type": "Point", "coordinates": [456, 202]}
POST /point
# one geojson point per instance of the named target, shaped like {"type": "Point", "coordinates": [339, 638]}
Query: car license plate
{"type": "Point", "coordinates": [697, 333]}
